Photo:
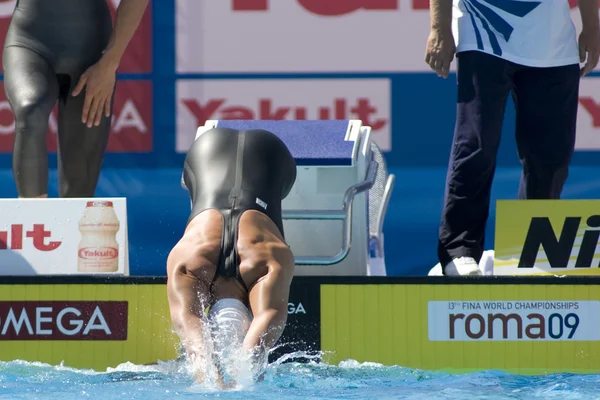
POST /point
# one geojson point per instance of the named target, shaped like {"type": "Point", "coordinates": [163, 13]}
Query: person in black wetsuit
{"type": "Point", "coordinates": [64, 50]}
{"type": "Point", "coordinates": [233, 253]}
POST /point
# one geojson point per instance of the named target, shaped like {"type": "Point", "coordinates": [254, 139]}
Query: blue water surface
{"type": "Point", "coordinates": [314, 380]}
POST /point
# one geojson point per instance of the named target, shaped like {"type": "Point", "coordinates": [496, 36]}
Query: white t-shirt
{"type": "Point", "coordinates": [537, 33]}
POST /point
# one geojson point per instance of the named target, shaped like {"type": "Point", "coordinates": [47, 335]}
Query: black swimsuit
{"type": "Point", "coordinates": [234, 171]}
{"type": "Point", "coordinates": [49, 44]}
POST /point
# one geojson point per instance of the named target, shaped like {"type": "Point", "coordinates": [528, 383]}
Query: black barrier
{"type": "Point", "coordinates": [302, 335]}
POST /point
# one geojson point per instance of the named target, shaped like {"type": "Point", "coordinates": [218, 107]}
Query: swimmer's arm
{"type": "Point", "coordinates": [269, 301]}
{"type": "Point", "coordinates": [184, 295]}
{"type": "Point", "coordinates": [129, 15]}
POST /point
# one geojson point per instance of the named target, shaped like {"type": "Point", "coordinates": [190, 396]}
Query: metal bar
{"type": "Point", "coordinates": [351, 192]}
{"type": "Point", "coordinates": [314, 214]}
{"type": "Point", "coordinates": [387, 194]}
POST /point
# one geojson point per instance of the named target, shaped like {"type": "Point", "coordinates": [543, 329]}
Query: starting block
{"type": "Point", "coordinates": [333, 216]}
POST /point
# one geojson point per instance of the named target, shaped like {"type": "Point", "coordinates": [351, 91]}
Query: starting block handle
{"type": "Point", "coordinates": [315, 214]}
{"type": "Point", "coordinates": [377, 239]}
{"type": "Point", "coordinates": [345, 214]}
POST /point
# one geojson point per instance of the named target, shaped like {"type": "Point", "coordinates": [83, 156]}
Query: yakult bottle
{"type": "Point", "coordinates": [98, 248]}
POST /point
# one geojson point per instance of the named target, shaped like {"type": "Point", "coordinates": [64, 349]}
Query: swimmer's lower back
{"type": "Point", "coordinates": [258, 239]}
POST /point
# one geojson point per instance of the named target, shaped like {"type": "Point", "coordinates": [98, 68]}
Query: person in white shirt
{"type": "Point", "coordinates": [521, 47]}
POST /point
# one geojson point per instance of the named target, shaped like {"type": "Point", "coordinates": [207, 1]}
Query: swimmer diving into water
{"type": "Point", "coordinates": [233, 254]}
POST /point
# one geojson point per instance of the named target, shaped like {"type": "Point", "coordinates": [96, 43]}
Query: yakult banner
{"type": "Point", "coordinates": [277, 99]}
{"type": "Point", "coordinates": [63, 236]}
{"type": "Point", "coordinates": [304, 35]}
{"type": "Point", "coordinates": [137, 57]}
{"type": "Point", "coordinates": [588, 117]}
{"type": "Point", "coordinates": [131, 130]}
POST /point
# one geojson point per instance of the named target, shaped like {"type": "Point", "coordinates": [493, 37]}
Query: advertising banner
{"type": "Point", "coordinates": [520, 327]}
{"type": "Point", "coordinates": [277, 99]}
{"type": "Point", "coordinates": [63, 320]}
{"type": "Point", "coordinates": [90, 325]}
{"type": "Point", "coordinates": [514, 326]}
{"type": "Point", "coordinates": [305, 35]}
{"type": "Point", "coordinates": [131, 126]}
{"type": "Point", "coordinates": [547, 237]}
{"type": "Point", "coordinates": [63, 236]}
{"type": "Point", "coordinates": [588, 117]}
{"type": "Point", "coordinates": [523, 320]}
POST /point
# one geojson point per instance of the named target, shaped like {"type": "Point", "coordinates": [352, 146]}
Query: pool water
{"type": "Point", "coordinates": [287, 380]}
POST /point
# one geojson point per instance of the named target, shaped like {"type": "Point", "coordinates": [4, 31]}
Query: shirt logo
{"type": "Point", "coordinates": [492, 22]}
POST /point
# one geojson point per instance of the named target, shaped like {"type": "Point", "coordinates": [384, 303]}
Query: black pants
{"type": "Point", "coordinates": [546, 101]}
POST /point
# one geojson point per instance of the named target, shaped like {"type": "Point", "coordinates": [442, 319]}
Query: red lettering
{"type": "Point", "coordinates": [300, 113]}
{"type": "Point", "coordinates": [39, 234]}
{"type": "Point", "coordinates": [331, 7]}
{"type": "Point", "coordinates": [364, 110]}
{"type": "Point", "coordinates": [267, 113]}
{"type": "Point", "coordinates": [203, 114]}
{"type": "Point", "coordinates": [250, 5]}
{"type": "Point", "coordinates": [593, 108]}
{"type": "Point", "coordinates": [340, 108]}
{"type": "Point", "coordinates": [337, 7]}
{"type": "Point", "coordinates": [323, 113]}
{"type": "Point", "coordinates": [420, 4]}
{"type": "Point", "coordinates": [267, 110]}
{"type": "Point", "coordinates": [468, 329]}
{"type": "Point", "coordinates": [3, 240]}
{"type": "Point", "coordinates": [237, 113]}
{"type": "Point", "coordinates": [16, 237]}
{"type": "Point", "coordinates": [574, 3]}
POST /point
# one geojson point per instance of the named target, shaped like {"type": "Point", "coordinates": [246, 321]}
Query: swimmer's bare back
{"type": "Point", "coordinates": [266, 268]}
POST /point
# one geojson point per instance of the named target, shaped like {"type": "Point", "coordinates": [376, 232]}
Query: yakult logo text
{"type": "Point", "coordinates": [12, 239]}
{"type": "Point", "coordinates": [103, 253]}
{"type": "Point", "coordinates": [513, 320]}
{"type": "Point", "coordinates": [283, 99]}
{"type": "Point", "coordinates": [266, 109]}
{"type": "Point", "coordinates": [63, 320]}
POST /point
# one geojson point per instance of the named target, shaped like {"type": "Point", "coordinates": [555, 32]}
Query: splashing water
{"type": "Point", "coordinates": [286, 380]}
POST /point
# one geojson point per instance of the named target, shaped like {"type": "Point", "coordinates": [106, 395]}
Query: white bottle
{"type": "Point", "coordinates": [98, 249]}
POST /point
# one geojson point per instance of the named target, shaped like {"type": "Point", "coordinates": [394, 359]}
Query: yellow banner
{"type": "Point", "coordinates": [86, 325]}
{"type": "Point", "coordinates": [547, 237]}
{"type": "Point", "coordinates": [526, 329]}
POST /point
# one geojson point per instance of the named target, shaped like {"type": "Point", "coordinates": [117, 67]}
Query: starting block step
{"type": "Point", "coordinates": [312, 143]}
